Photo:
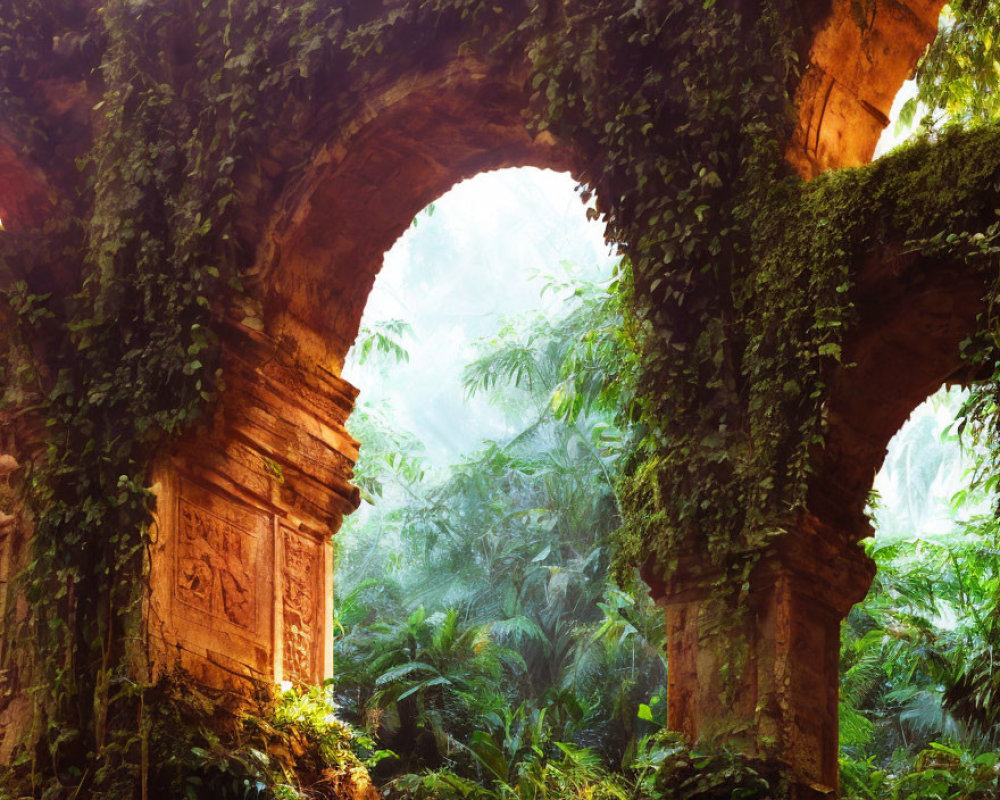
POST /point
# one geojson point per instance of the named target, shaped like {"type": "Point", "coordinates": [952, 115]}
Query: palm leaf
{"type": "Point", "coordinates": [400, 672]}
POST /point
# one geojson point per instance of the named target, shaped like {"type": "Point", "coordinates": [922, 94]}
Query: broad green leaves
{"type": "Point", "coordinates": [958, 77]}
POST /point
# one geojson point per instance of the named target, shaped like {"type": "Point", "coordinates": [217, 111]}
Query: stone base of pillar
{"type": "Point", "coordinates": [242, 564]}
{"type": "Point", "coordinates": [764, 678]}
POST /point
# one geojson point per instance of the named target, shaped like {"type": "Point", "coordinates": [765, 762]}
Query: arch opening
{"type": "Point", "coordinates": [408, 145]}
{"type": "Point", "coordinates": [913, 656]}
{"type": "Point", "coordinates": [491, 514]}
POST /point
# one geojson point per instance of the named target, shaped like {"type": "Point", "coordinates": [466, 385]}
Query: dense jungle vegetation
{"type": "Point", "coordinates": [487, 652]}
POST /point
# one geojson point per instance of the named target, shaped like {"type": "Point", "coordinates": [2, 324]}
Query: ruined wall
{"type": "Point", "coordinates": [248, 502]}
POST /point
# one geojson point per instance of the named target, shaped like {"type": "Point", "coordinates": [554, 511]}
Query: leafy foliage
{"type": "Point", "coordinates": [506, 550]}
{"type": "Point", "coordinates": [917, 718]}
{"type": "Point", "coordinates": [195, 743]}
{"type": "Point", "coordinates": [672, 148]}
{"type": "Point", "coordinates": [384, 340]}
{"type": "Point", "coordinates": [958, 76]}
{"type": "Point", "coordinates": [697, 774]}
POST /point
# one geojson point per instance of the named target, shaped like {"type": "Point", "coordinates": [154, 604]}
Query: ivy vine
{"type": "Point", "coordinates": [685, 156]}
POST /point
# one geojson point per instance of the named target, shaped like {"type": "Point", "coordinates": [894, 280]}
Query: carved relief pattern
{"type": "Point", "coordinates": [301, 600]}
{"type": "Point", "coordinates": [215, 567]}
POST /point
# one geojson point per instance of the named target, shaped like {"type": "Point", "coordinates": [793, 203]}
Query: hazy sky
{"type": "Point", "coordinates": [923, 469]}
{"type": "Point", "coordinates": [890, 136]}
{"type": "Point", "coordinates": [454, 276]}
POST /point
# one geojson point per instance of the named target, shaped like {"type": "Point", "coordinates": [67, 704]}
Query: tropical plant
{"type": "Point", "coordinates": [523, 762]}
{"type": "Point", "coordinates": [492, 584]}
{"type": "Point", "coordinates": [919, 710]}
{"type": "Point", "coordinates": [958, 75]}
{"type": "Point", "coordinates": [427, 681]}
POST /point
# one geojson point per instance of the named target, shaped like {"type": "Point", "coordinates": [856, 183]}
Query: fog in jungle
{"type": "Point", "coordinates": [480, 255]}
{"type": "Point", "coordinates": [474, 604]}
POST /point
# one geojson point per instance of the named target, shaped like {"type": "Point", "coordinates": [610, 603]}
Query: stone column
{"type": "Point", "coordinates": [765, 679]}
{"type": "Point", "coordinates": [242, 565]}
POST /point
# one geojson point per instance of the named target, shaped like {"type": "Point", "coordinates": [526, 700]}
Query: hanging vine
{"type": "Point", "coordinates": [686, 158]}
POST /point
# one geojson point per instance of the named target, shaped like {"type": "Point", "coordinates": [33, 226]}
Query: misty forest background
{"type": "Point", "coordinates": [481, 642]}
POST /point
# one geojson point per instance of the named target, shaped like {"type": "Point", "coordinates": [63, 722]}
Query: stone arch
{"type": "Point", "coordinates": [913, 314]}
{"type": "Point", "coordinates": [268, 480]}
{"type": "Point", "coordinates": [273, 473]}
{"type": "Point", "coordinates": [278, 460]}
{"type": "Point", "coordinates": [412, 141]}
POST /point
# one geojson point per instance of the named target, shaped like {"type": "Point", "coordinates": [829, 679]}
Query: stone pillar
{"type": "Point", "coordinates": [15, 701]}
{"type": "Point", "coordinates": [242, 563]}
{"type": "Point", "coordinates": [765, 680]}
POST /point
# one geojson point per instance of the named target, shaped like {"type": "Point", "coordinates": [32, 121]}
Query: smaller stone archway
{"type": "Point", "coordinates": [913, 315]}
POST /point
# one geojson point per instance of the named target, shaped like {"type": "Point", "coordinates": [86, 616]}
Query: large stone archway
{"type": "Point", "coordinates": [275, 473]}
{"type": "Point", "coordinates": [247, 505]}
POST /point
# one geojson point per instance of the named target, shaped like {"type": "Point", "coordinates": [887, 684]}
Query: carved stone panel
{"type": "Point", "coordinates": [222, 576]}
{"type": "Point", "coordinates": [302, 606]}
{"type": "Point", "coordinates": [215, 566]}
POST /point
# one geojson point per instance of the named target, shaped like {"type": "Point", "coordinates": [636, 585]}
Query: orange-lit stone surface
{"type": "Point", "coordinates": [782, 700]}
{"type": "Point", "coordinates": [243, 563]}
{"type": "Point", "coordinates": [859, 57]}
